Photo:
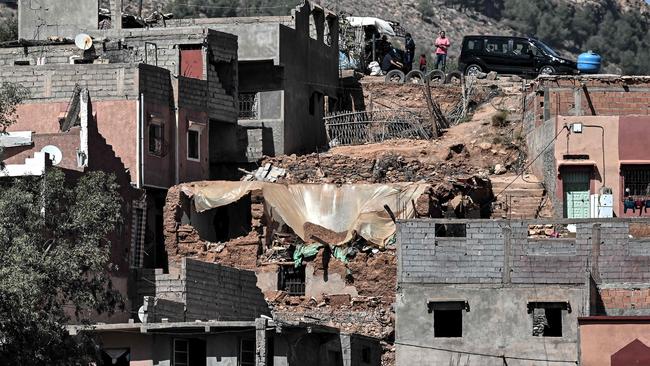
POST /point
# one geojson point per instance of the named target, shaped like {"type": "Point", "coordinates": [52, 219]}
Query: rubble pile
{"type": "Point", "coordinates": [386, 168]}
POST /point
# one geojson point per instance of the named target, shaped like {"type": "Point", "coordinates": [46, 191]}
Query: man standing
{"type": "Point", "coordinates": [410, 53]}
{"type": "Point", "coordinates": [442, 45]}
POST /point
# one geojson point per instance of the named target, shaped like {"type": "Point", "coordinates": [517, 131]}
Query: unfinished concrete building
{"type": "Point", "coordinates": [589, 132]}
{"type": "Point", "coordinates": [492, 292]}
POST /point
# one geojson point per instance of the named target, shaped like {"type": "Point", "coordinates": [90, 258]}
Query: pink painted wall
{"type": "Point", "coordinates": [600, 340]}
{"type": "Point", "coordinates": [68, 143]}
{"type": "Point", "coordinates": [159, 170]}
{"type": "Point", "coordinates": [190, 170]}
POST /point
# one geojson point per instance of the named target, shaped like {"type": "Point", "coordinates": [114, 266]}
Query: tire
{"type": "Point", "coordinates": [473, 69]}
{"type": "Point", "coordinates": [546, 70]}
{"type": "Point", "coordinates": [437, 77]}
{"type": "Point", "coordinates": [395, 76]}
{"type": "Point", "coordinates": [415, 77]}
{"type": "Point", "coordinates": [454, 75]}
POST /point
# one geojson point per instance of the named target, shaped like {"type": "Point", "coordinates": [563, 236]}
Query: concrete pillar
{"type": "Point", "coordinates": [260, 341]}
{"type": "Point", "coordinates": [507, 249]}
{"type": "Point", "coordinates": [346, 349]}
{"type": "Point", "coordinates": [116, 14]}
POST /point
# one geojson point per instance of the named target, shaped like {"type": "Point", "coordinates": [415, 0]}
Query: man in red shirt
{"type": "Point", "coordinates": [442, 45]}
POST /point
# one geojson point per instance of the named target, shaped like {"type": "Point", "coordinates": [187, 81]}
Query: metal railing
{"type": "Point", "coordinates": [355, 128]}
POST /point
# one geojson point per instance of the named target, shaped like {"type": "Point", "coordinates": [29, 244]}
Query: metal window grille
{"type": "Point", "coordinates": [181, 352]}
{"type": "Point", "coordinates": [137, 234]}
{"type": "Point", "coordinates": [248, 105]}
{"type": "Point", "coordinates": [292, 280]}
{"type": "Point", "coordinates": [637, 179]}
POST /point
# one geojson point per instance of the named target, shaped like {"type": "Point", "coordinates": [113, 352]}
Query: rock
{"type": "Point", "coordinates": [516, 78]}
{"type": "Point", "coordinates": [339, 300]}
{"type": "Point", "coordinates": [499, 169]}
{"type": "Point", "coordinates": [481, 75]}
{"type": "Point", "coordinates": [492, 75]}
{"type": "Point", "coordinates": [485, 146]}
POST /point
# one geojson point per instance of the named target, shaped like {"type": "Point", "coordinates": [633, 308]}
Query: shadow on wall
{"type": "Point", "coordinates": [351, 95]}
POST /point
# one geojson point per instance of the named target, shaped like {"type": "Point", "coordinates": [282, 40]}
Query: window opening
{"type": "Point", "coordinates": [193, 148]}
{"type": "Point", "coordinates": [292, 280]}
{"type": "Point", "coordinates": [448, 318]}
{"type": "Point", "coordinates": [451, 230]}
{"type": "Point", "coordinates": [248, 105]}
{"type": "Point", "coordinates": [636, 180]}
{"type": "Point", "coordinates": [181, 352]}
{"type": "Point", "coordinates": [156, 139]}
{"type": "Point", "coordinates": [247, 352]}
{"type": "Point", "coordinates": [547, 318]}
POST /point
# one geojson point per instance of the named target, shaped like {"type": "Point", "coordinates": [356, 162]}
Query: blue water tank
{"type": "Point", "coordinates": [589, 62]}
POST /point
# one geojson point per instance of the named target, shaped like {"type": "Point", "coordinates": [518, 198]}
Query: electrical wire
{"type": "Point", "coordinates": [486, 354]}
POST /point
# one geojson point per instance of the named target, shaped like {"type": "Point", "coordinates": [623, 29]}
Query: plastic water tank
{"type": "Point", "coordinates": [589, 62]}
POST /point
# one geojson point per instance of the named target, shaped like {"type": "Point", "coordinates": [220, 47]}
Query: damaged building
{"type": "Point", "coordinates": [513, 292]}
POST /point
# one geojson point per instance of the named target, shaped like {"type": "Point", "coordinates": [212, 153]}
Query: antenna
{"type": "Point", "coordinates": [54, 154]}
{"type": "Point", "coordinates": [83, 41]}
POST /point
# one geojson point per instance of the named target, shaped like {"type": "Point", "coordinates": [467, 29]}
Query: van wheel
{"type": "Point", "coordinates": [547, 70]}
{"type": "Point", "coordinates": [395, 76]}
{"type": "Point", "coordinates": [415, 77]}
{"type": "Point", "coordinates": [473, 70]}
{"type": "Point", "coordinates": [437, 76]}
{"type": "Point", "coordinates": [454, 77]}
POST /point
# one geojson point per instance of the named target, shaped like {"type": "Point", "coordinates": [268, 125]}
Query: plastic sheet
{"type": "Point", "coordinates": [353, 208]}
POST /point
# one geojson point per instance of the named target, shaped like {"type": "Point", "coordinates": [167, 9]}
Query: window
{"type": "Point", "coordinates": [193, 145]}
{"type": "Point", "coordinates": [248, 105]}
{"type": "Point", "coordinates": [448, 318]}
{"type": "Point", "coordinates": [181, 352]}
{"type": "Point", "coordinates": [496, 46]}
{"type": "Point", "coordinates": [247, 352]}
{"type": "Point", "coordinates": [156, 138]}
{"type": "Point", "coordinates": [473, 44]}
{"type": "Point", "coordinates": [521, 48]}
{"type": "Point", "coordinates": [636, 179]}
{"type": "Point", "coordinates": [547, 318]}
{"type": "Point", "coordinates": [21, 63]}
{"type": "Point", "coordinates": [451, 230]}
{"type": "Point", "coordinates": [292, 280]}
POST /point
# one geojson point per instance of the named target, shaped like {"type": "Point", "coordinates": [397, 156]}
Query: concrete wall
{"type": "Point", "coordinates": [498, 269]}
{"type": "Point", "coordinates": [40, 19]}
{"type": "Point", "coordinates": [600, 338]}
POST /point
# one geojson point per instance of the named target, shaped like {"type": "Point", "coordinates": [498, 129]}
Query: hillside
{"type": "Point", "coordinates": [570, 26]}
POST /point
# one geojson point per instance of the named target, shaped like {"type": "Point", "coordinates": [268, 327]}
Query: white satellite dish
{"type": "Point", "coordinates": [141, 314]}
{"type": "Point", "coordinates": [54, 152]}
{"type": "Point", "coordinates": [83, 41]}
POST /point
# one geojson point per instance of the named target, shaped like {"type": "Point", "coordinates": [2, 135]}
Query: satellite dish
{"type": "Point", "coordinates": [141, 314]}
{"type": "Point", "coordinates": [54, 153]}
{"type": "Point", "coordinates": [83, 41]}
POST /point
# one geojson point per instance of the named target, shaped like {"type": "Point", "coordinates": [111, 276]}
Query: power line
{"type": "Point", "coordinates": [504, 357]}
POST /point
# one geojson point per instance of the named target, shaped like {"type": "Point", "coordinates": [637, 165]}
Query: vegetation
{"type": "Point", "coordinates": [500, 119]}
{"type": "Point", "coordinates": [621, 37]}
{"type": "Point", "coordinates": [55, 265]}
{"type": "Point", "coordinates": [8, 28]}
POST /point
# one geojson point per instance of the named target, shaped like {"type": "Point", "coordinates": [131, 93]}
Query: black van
{"type": "Point", "coordinates": [511, 55]}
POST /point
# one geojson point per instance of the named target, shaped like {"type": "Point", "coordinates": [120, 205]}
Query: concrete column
{"type": "Point", "coordinates": [346, 349]}
{"type": "Point", "coordinates": [116, 14]}
{"type": "Point", "coordinates": [507, 245]}
{"type": "Point", "coordinates": [260, 341]}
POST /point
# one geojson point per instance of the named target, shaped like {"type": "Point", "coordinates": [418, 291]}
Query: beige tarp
{"type": "Point", "coordinates": [346, 208]}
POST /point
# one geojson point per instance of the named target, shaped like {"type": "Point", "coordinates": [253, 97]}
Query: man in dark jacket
{"type": "Point", "coordinates": [409, 57]}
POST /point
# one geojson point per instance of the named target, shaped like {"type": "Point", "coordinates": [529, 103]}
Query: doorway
{"type": "Point", "coordinates": [576, 193]}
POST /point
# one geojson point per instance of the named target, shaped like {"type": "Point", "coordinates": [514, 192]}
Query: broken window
{"type": "Point", "coordinates": [156, 138]}
{"type": "Point", "coordinates": [292, 280]}
{"type": "Point", "coordinates": [451, 230]}
{"type": "Point", "coordinates": [247, 352]}
{"type": "Point", "coordinates": [448, 318]}
{"type": "Point", "coordinates": [248, 105]}
{"type": "Point", "coordinates": [193, 145]}
{"type": "Point", "coordinates": [547, 318]}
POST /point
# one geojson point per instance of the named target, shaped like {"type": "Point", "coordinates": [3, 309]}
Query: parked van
{"type": "Point", "coordinates": [511, 55]}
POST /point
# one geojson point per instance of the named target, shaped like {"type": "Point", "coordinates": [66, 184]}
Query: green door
{"type": "Point", "coordinates": [576, 194]}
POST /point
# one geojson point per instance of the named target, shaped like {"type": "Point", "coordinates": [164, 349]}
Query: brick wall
{"type": "Point", "coordinates": [192, 93]}
{"type": "Point", "coordinates": [218, 292]}
{"type": "Point", "coordinates": [157, 309]}
{"type": "Point", "coordinates": [499, 251]}
{"type": "Point", "coordinates": [51, 82]}
{"type": "Point", "coordinates": [625, 301]}
{"type": "Point", "coordinates": [155, 84]}
{"type": "Point", "coordinates": [586, 96]}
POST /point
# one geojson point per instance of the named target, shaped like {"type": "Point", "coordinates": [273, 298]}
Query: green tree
{"type": "Point", "coordinates": [10, 96]}
{"type": "Point", "coordinates": [54, 264]}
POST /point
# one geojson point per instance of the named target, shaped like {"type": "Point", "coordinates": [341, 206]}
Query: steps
{"type": "Point", "coordinates": [522, 199]}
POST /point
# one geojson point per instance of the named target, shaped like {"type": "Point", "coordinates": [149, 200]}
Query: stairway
{"type": "Point", "coordinates": [523, 199]}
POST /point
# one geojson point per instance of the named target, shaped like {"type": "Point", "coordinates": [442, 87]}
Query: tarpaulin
{"type": "Point", "coordinates": [383, 27]}
{"type": "Point", "coordinates": [303, 251]}
{"type": "Point", "coordinates": [342, 209]}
